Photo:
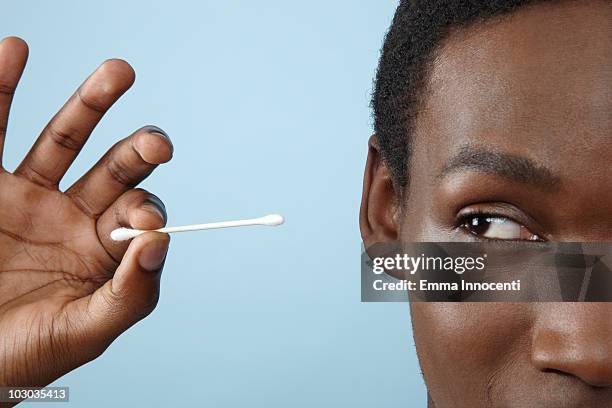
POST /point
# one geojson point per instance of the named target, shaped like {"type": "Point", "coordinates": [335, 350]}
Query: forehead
{"type": "Point", "coordinates": [539, 81]}
{"type": "Point", "coordinates": [536, 83]}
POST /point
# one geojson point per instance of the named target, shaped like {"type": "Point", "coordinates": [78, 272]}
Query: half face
{"type": "Point", "coordinates": [514, 142]}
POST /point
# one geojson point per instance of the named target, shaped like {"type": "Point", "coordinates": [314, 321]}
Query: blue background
{"type": "Point", "coordinates": [267, 106]}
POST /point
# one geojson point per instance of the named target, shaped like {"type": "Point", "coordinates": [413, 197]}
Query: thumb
{"type": "Point", "coordinates": [131, 294]}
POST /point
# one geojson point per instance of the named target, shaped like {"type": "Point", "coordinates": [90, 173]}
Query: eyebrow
{"type": "Point", "coordinates": [513, 167]}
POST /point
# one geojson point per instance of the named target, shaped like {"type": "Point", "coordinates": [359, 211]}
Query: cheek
{"type": "Point", "coordinates": [461, 345]}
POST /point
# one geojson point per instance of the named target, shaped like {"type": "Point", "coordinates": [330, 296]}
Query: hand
{"type": "Point", "coordinates": [66, 289]}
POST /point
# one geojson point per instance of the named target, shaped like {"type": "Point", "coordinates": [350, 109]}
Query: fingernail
{"type": "Point", "coordinates": [153, 255]}
{"type": "Point", "coordinates": [155, 206]}
{"type": "Point", "coordinates": [147, 145]}
{"type": "Point", "coordinates": [157, 130]}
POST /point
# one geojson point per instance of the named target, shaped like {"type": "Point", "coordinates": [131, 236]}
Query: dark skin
{"type": "Point", "coordinates": [533, 89]}
{"type": "Point", "coordinates": [66, 289]}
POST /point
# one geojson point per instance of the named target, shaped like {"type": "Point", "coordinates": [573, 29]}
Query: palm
{"type": "Point", "coordinates": [49, 248]}
{"type": "Point", "coordinates": [66, 289]}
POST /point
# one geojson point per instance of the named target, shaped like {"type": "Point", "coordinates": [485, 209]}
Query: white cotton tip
{"type": "Point", "coordinates": [272, 220]}
{"type": "Point", "coordinates": [123, 234]}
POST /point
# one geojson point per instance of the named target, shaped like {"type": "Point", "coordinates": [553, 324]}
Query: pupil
{"type": "Point", "coordinates": [480, 225]}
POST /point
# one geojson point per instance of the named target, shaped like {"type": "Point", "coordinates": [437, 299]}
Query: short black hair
{"type": "Point", "coordinates": [418, 28]}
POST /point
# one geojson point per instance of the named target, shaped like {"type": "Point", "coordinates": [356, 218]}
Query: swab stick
{"type": "Point", "coordinates": [123, 234]}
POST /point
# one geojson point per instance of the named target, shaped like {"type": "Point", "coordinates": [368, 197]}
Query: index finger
{"type": "Point", "coordinates": [62, 139]}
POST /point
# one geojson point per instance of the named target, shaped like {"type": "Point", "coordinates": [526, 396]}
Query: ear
{"type": "Point", "coordinates": [379, 215]}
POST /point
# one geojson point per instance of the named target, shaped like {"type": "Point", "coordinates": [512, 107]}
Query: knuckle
{"type": "Point", "coordinates": [6, 89]}
{"type": "Point", "coordinates": [39, 177]}
{"type": "Point", "coordinates": [96, 102]}
{"type": "Point", "coordinates": [83, 204]}
{"type": "Point", "coordinates": [120, 171]}
{"type": "Point", "coordinates": [113, 304]}
{"type": "Point", "coordinates": [135, 305]}
{"type": "Point", "coordinates": [111, 301]}
{"type": "Point", "coordinates": [147, 305]}
{"type": "Point", "coordinates": [64, 138]}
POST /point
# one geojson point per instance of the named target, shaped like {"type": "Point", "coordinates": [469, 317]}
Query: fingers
{"type": "Point", "coordinates": [65, 135]}
{"type": "Point", "coordinates": [134, 209]}
{"type": "Point", "coordinates": [124, 166]}
{"type": "Point", "coordinates": [128, 297]}
{"type": "Point", "coordinates": [13, 57]}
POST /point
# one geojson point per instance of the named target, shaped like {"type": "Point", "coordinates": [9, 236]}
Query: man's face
{"type": "Point", "coordinates": [515, 142]}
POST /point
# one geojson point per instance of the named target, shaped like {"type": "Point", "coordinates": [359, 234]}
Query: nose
{"type": "Point", "coordinates": [574, 339]}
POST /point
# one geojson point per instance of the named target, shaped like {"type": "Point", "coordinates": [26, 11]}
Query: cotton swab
{"type": "Point", "coordinates": [273, 220]}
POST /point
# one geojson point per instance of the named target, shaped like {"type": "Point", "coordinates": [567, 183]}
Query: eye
{"type": "Point", "coordinates": [497, 227]}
